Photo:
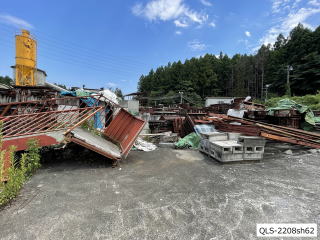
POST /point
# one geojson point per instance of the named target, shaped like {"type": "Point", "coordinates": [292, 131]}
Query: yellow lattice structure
{"type": "Point", "coordinates": [26, 59]}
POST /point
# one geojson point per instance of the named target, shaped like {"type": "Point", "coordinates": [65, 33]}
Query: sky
{"type": "Point", "coordinates": [99, 43]}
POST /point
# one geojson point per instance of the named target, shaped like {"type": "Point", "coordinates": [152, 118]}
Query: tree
{"type": "Point", "coordinates": [118, 92]}
{"type": "Point", "coordinates": [6, 80]}
{"type": "Point", "coordinates": [242, 74]}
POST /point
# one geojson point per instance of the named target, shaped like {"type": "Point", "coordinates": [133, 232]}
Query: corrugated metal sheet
{"type": "Point", "coordinates": [124, 129]}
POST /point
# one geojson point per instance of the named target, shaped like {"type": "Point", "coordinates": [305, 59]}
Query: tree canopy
{"type": "Point", "coordinates": [242, 74]}
{"type": "Point", "coordinates": [6, 80]}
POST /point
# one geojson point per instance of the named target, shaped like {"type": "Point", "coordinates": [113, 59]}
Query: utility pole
{"type": "Point", "coordinates": [181, 98]}
{"type": "Point", "coordinates": [288, 88]}
{"type": "Point", "coordinates": [267, 87]}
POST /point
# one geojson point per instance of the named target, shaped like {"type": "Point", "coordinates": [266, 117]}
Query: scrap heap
{"type": "Point", "coordinates": [281, 123]}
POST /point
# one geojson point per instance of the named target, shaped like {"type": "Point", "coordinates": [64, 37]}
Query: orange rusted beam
{"type": "Point", "coordinates": [289, 140]}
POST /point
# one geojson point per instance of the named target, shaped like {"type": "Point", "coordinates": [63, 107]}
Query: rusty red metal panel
{"type": "Point", "coordinates": [6, 165]}
{"type": "Point", "coordinates": [21, 143]}
{"type": "Point", "coordinates": [124, 130]}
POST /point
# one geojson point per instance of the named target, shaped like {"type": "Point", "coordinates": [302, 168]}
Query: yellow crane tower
{"type": "Point", "coordinates": [26, 59]}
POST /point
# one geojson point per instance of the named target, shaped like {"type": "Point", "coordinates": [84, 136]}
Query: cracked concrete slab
{"type": "Point", "coordinates": [165, 194]}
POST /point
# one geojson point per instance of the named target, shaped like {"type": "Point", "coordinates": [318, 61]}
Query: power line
{"type": "Point", "coordinates": [74, 62]}
{"type": "Point", "coordinates": [61, 44]}
{"type": "Point", "coordinates": [74, 59]}
{"type": "Point", "coordinates": [84, 57]}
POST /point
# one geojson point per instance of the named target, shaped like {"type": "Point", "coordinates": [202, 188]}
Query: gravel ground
{"type": "Point", "coordinates": [166, 194]}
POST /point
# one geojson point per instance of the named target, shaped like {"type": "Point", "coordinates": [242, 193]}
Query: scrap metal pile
{"type": "Point", "coordinates": [268, 131]}
{"type": "Point", "coordinates": [281, 123]}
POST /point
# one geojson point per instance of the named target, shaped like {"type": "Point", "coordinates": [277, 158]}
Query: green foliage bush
{"type": "Point", "coordinates": [89, 126]}
{"type": "Point", "coordinates": [19, 171]}
{"type": "Point", "coordinates": [312, 101]}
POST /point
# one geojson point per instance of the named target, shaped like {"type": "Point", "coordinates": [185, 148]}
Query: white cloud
{"type": "Point", "coordinates": [111, 84]}
{"type": "Point", "coordinates": [206, 3]}
{"type": "Point", "coordinates": [169, 10]}
{"type": "Point", "coordinates": [178, 32]}
{"type": "Point", "coordinates": [196, 17]}
{"type": "Point", "coordinates": [196, 45]}
{"type": "Point", "coordinates": [14, 21]}
{"type": "Point", "coordinates": [181, 23]}
{"type": "Point", "coordinates": [315, 3]}
{"type": "Point", "coordinates": [276, 6]}
{"type": "Point", "coordinates": [247, 33]}
{"type": "Point", "coordinates": [212, 24]}
{"type": "Point", "coordinates": [288, 14]}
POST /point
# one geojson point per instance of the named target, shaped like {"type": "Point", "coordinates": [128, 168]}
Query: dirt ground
{"type": "Point", "coordinates": [166, 194]}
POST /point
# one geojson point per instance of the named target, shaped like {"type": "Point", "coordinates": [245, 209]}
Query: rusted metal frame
{"type": "Point", "coordinates": [56, 126]}
{"type": "Point", "coordinates": [249, 121]}
{"type": "Point", "coordinates": [108, 100]}
{"type": "Point", "coordinates": [36, 133]}
{"type": "Point", "coordinates": [21, 130]}
{"type": "Point", "coordinates": [288, 140]}
{"type": "Point", "coordinates": [38, 126]}
{"type": "Point", "coordinates": [290, 137]}
{"type": "Point", "coordinates": [11, 122]}
{"type": "Point", "coordinates": [34, 117]}
{"type": "Point", "coordinates": [47, 115]}
{"type": "Point", "coordinates": [82, 121]}
{"type": "Point", "coordinates": [50, 105]}
{"type": "Point", "coordinates": [75, 115]}
{"type": "Point", "coordinates": [6, 109]}
{"type": "Point", "coordinates": [286, 133]}
{"type": "Point", "coordinates": [32, 114]}
{"type": "Point", "coordinates": [38, 101]}
{"type": "Point", "coordinates": [14, 112]}
{"type": "Point", "coordinates": [25, 121]}
{"type": "Point", "coordinates": [95, 149]}
{"type": "Point", "coordinates": [43, 106]}
{"type": "Point", "coordinates": [29, 105]}
{"type": "Point", "coordinates": [106, 120]}
{"type": "Point", "coordinates": [50, 101]}
{"type": "Point", "coordinates": [74, 118]}
{"type": "Point", "coordinates": [15, 127]}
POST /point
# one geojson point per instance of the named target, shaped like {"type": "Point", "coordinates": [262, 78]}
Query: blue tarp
{"type": "Point", "coordinates": [91, 102]}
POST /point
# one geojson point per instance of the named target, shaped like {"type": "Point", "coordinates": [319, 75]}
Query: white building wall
{"type": "Point", "coordinates": [211, 101]}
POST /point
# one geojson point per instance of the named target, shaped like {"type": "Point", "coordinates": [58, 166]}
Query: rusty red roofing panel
{"type": "Point", "coordinates": [124, 129]}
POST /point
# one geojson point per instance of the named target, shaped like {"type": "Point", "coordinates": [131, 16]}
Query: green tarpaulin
{"type": "Point", "coordinates": [190, 141]}
{"type": "Point", "coordinates": [286, 103]}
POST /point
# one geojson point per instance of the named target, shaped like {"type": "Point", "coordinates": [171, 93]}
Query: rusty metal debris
{"type": "Point", "coordinates": [57, 120]}
{"type": "Point", "coordinates": [269, 131]}
{"type": "Point", "coordinates": [283, 125]}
